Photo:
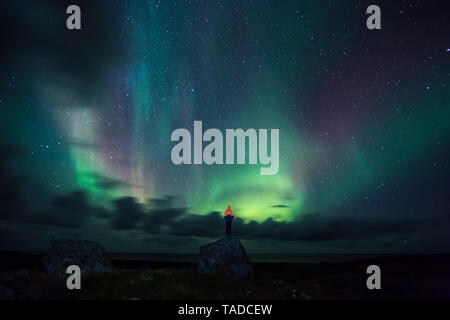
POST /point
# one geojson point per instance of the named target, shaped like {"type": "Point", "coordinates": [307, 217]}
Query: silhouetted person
{"type": "Point", "coordinates": [228, 216]}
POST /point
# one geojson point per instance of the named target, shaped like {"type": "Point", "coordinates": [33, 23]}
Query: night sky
{"type": "Point", "coordinates": [364, 119]}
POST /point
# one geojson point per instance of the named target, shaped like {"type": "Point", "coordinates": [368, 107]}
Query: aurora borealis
{"type": "Point", "coordinates": [364, 120]}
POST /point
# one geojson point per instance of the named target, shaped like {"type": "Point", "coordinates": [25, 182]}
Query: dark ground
{"type": "Point", "coordinates": [402, 277]}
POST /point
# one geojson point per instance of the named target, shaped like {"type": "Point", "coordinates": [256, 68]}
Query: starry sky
{"type": "Point", "coordinates": [364, 119]}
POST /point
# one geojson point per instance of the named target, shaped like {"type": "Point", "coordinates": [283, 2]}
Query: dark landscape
{"type": "Point", "coordinates": [403, 277]}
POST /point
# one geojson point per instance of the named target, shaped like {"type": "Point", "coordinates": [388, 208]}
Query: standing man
{"type": "Point", "coordinates": [228, 216]}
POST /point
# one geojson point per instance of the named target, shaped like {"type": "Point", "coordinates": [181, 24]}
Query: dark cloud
{"type": "Point", "coordinates": [104, 182]}
{"type": "Point", "coordinates": [127, 214]}
{"type": "Point", "coordinates": [209, 225]}
{"type": "Point", "coordinates": [75, 202]}
{"type": "Point", "coordinates": [10, 184]}
{"type": "Point", "coordinates": [281, 206]}
{"type": "Point", "coordinates": [102, 213]}
{"type": "Point", "coordinates": [308, 228]}
{"type": "Point", "coordinates": [166, 202]}
{"type": "Point", "coordinates": [67, 211]}
{"type": "Point", "coordinates": [159, 220]}
{"type": "Point", "coordinates": [316, 227]}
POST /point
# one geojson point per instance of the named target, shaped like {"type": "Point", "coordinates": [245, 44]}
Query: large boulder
{"type": "Point", "coordinates": [88, 255]}
{"type": "Point", "coordinates": [225, 258]}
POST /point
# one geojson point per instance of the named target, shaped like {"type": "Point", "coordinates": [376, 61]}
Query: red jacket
{"type": "Point", "coordinates": [228, 212]}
